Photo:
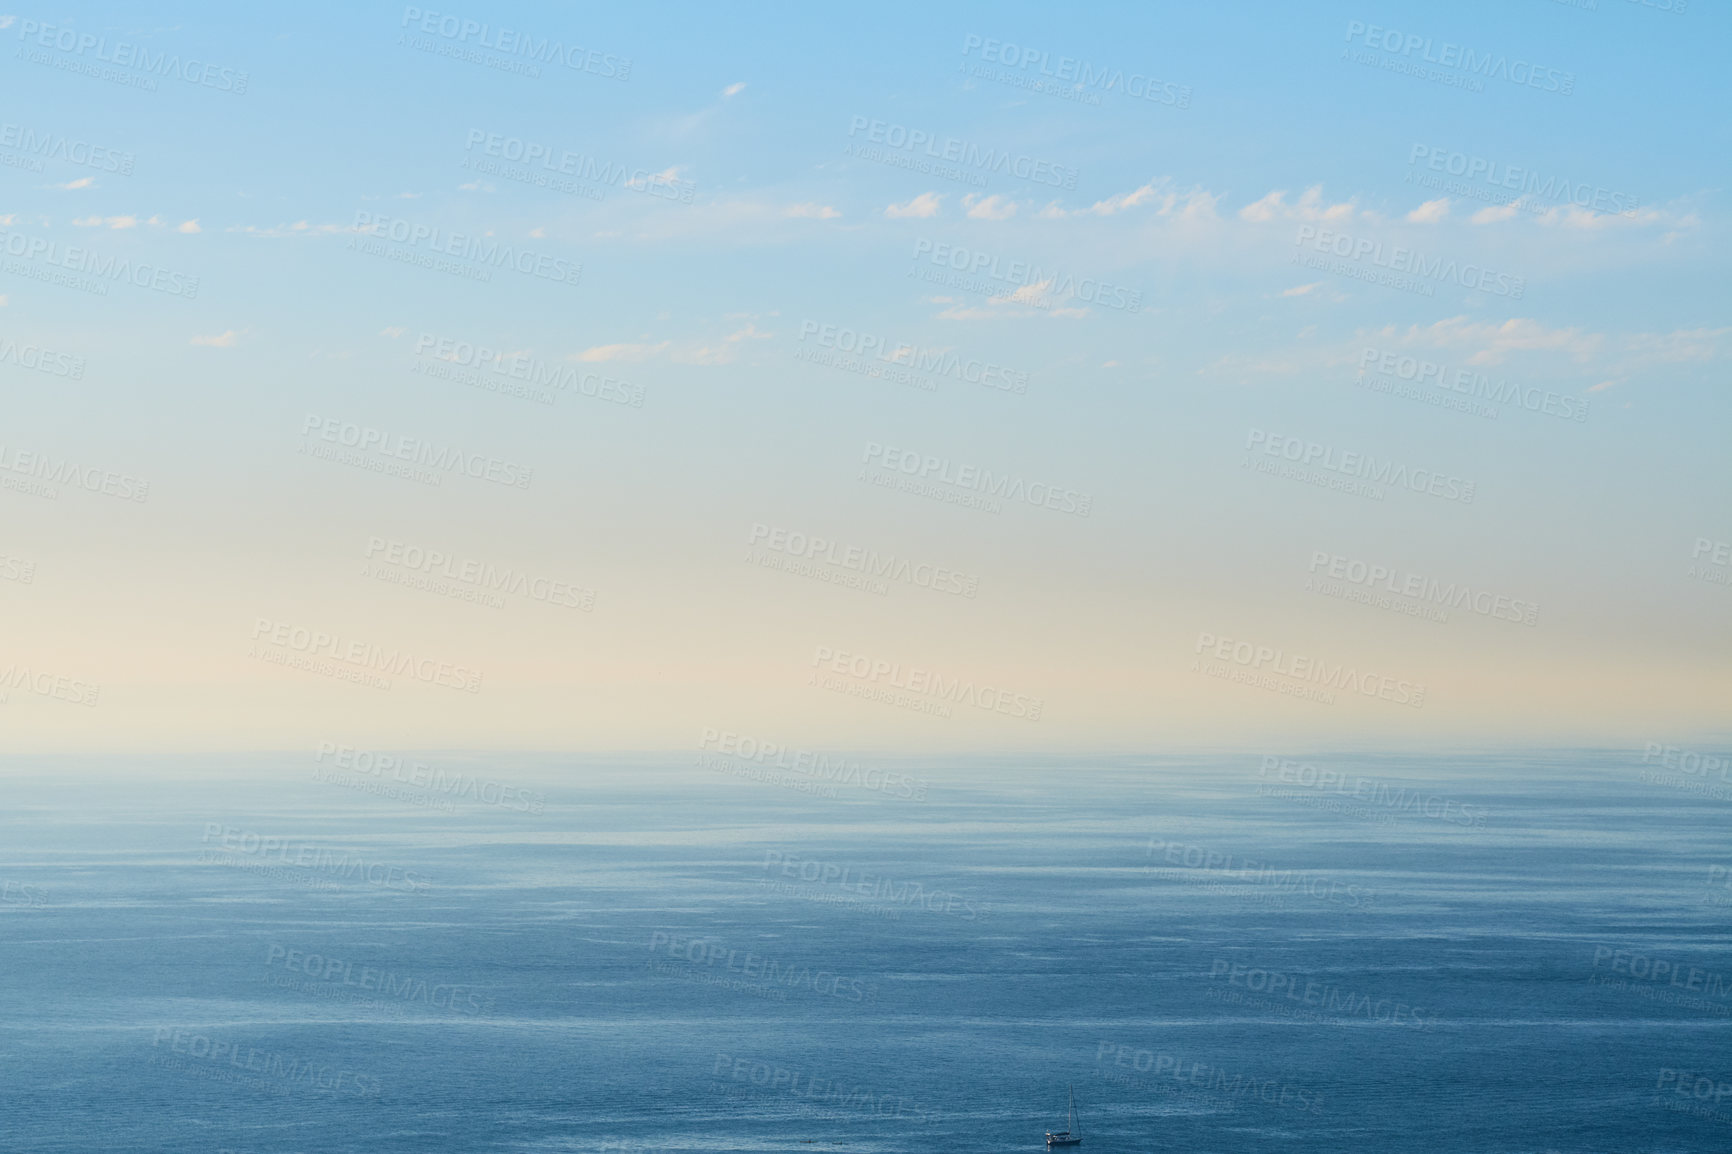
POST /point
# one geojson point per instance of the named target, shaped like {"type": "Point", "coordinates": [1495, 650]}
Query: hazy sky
{"type": "Point", "coordinates": [912, 378]}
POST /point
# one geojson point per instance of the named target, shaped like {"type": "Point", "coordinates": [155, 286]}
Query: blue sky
{"type": "Point", "coordinates": [740, 218]}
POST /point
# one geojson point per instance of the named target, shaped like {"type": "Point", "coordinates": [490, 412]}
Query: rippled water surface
{"type": "Point", "coordinates": [1495, 952]}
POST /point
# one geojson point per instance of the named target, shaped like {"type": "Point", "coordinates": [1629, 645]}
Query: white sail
{"type": "Point", "coordinates": [1070, 1136]}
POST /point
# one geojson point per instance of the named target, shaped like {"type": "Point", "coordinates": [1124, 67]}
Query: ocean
{"type": "Point", "coordinates": [296, 953]}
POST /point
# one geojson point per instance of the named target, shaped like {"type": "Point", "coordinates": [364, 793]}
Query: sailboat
{"type": "Point", "coordinates": [1070, 1135]}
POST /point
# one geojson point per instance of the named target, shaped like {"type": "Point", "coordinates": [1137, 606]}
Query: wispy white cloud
{"type": "Point", "coordinates": [1030, 300]}
{"type": "Point", "coordinates": [81, 182]}
{"type": "Point", "coordinates": [299, 228]}
{"type": "Point", "coordinates": [1112, 205]}
{"type": "Point", "coordinates": [1457, 340]}
{"type": "Point", "coordinates": [989, 208]}
{"type": "Point", "coordinates": [732, 220]}
{"type": "Point", "coordinates": [105, 222]}
{"type": "Point", "coordinates": [1303, 289]}
{"type": "Point", "coordinates": [1192, 204]}
{"type": "Point", "coordinates": [1491, 342]}
{"type": "Point", "coordinates": [1494, 214]}
{"type": "Point", "coordinates": [713, 352]}
{"type": "Point", "coordinates": [1030, 294]}
{"type": "Point", "coordinates": [1615, 357]}
{"type": "Point", "coordinates": [922, 207]}
{"type": "Point", "coordinates": [628, 353]}
{"type": "Point", "coordinates": [1430, 212]}
{"type": "Point", "coordinates": [734, 89]}
{"type": "Point", "coordinates": [649, 180]}
{"type": "Point", "coordinates": [189, 226]}
{"type": "Point", "coordinates": [1645, 352]}
{"type": "Point", "coordinates": [723, 353]}
{"type": "Point", "coordinates": [1309, 207]}
{"type": "Point", "coordinates": [1575, 216]}
{"type": "Point", "coordinates": [224, 340]}
{"type": "Point", "coordinates": [1682, 346]}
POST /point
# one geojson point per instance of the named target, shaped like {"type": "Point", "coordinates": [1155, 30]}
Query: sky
{"type": "Point", "coordinates": [907, 378]}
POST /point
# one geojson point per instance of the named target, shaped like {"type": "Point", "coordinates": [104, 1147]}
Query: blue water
{"type": "Point", "coordinates": [671, 958]}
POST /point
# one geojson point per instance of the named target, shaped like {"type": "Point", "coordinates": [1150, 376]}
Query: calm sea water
{"type": "Point", "coordinates": [1485, 953]}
